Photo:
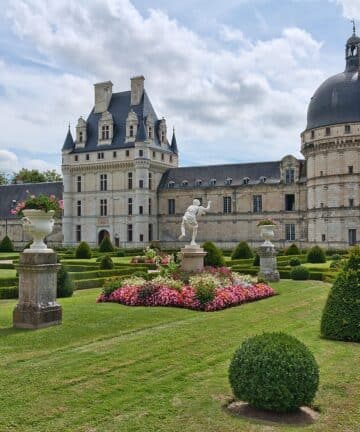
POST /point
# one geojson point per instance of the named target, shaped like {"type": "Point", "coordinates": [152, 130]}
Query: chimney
{"type": "Point", "coordinates": [103, 93]}
{"type": "Point", "coordinates": [137, 89]}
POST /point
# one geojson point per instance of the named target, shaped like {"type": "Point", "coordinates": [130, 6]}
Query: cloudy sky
{"type": "Point", "coordinates": [233, 77]}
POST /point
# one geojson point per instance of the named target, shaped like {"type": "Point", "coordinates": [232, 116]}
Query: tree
{"type": "Point", "coordinates": [3, 179]}
{"type": "Point", "coordinates": [35, 176]}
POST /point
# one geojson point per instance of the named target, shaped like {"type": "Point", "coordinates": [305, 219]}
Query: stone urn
{"type": "Point", "coordinates": [38, 224]}
{"type": "Point", "coordinates": [267, 233]}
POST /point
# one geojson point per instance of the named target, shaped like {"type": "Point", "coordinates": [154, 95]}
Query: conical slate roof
{"type": "Point", "coordinates": [69, 142]}
{"type": "Point", "coordinates": [174, 147]}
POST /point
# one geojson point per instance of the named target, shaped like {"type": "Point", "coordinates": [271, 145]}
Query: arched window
{"type": "Point", "coordinates": [171, 184]}
{"type": "Point", "coordinates": [198, 182]}
{"type": "Point", "coordinates": [212, 182]}
{"type": "Point", "coordinates": [262, 179]}
{"type": "Point", "coordinates": [246, 180]}
{"type": "Point", "coordinates": [184, 183]}
{"type": "Point", "coordinates": [228, 181]}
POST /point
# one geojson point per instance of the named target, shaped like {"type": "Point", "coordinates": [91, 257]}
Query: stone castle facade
{"type": "Point", "coordinates": [121, 175]}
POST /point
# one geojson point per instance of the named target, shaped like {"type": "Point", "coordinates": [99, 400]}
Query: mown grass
{"type": "Point", "coordinates": [7, 273]}
{"type": "Point", "coordinates": [114, 368]}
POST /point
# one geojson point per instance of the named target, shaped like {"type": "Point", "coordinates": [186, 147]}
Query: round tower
{"type": "Point", "coordinates": [330, 145]}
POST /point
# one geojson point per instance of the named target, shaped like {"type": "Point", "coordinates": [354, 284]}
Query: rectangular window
{"type": "Point", "coordinates": [289, 202]}
{"type": "Point", "coordinates": [227, 204]}
{"type": "Point", "coordinates": [129, 233]}
{"type": "Point", "coordinates": [352, 237]}
{"type": "Point", "coordinates": [141, 184]}
{"type": "Point", "coordinates": [150, 206]}
{"type": "Point", "coordinates": [103, 207]}
{"type": "Point", "coordinates": [76, 157]}
{"type": "Point", "coordinates": [130, 180]}
{"type": "Point", "coordinates": [100, 155]}
{"type": "Point", "coordinates": [162, 156]}
{"type": "Point", "coordinates": [170, 159]}
{"type": "Point", "coordinates": [78, 208]}
{"type": "Point", "coordinates": [312, 134]}
{"type": "Point", "coordinates": [154, 155]}
{"type": "Point", "coordinates": [103, 182]}
{"type": "Point", "coordinates": [78, 183]}
{"type": "Point", "coordinates": [141, 237]}
{"type": "Point", "coordinates": [87, 157]}
{"type": "Point", "coordinates": [127, 153]}
{"type": "Point", "coordinates": [351, 202]}
{"type": "Point", "coordinates": [141, 153]}
{"type": "Point", "coordinates": [290, 232]}
{"type": "Point", "coordinates": [171, 206]}
{"type": "Point", "coordinates": [78, 233]}
{"type": "Point", "coordinates": [130, 204]}
{"type": "Point", "coordinates": [347, 129]}
{"type": "Point", "coordinates": [150, 181]}
{"type": "Point", "coordinates": [327, 131]}
{"type": "Point", "coordinates": [290, 175]}
{"type": "Point", "coordinates": [257, 203]}
{"type": "Point", "coordinates": [114, 154]}
{"type": "Point", "coordinates": [150, 233]}
{"type": "Point", "coordinates": [350, 169]}
{"type": "Point", "coordinates": [323, 237]}
{"type": "Point", "coordinates": [141, 210]}
{"type": "Point", "coordinates": [105, 132]}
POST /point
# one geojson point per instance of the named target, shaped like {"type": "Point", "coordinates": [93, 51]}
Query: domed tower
{"type": "Point", "coordinates": [330, 145]}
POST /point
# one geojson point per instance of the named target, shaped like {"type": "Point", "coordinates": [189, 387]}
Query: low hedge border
{"type": "Point", "coordinates": [11, 292]}
{"type": "Point", "coordinates": [7, 266]}
{"type": "Point", "coordinates": [8, 282]}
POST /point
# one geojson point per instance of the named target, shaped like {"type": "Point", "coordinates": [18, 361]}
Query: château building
{"type": "Point", "coordinates": [122, 179]}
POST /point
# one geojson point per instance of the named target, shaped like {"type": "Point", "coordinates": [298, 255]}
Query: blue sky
{"type": "Point", "coordinates": [233, 77]}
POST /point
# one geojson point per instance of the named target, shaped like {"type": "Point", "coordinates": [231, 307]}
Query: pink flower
{"type": "Point", "coordinates": [61, 204]}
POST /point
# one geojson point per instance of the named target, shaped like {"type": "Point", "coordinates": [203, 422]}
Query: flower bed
{"type": "Point", "coordinates": [211, 290]}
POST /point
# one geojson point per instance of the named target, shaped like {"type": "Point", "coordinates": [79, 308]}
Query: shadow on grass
{"type": "Point", "coordinates": [301, 417]}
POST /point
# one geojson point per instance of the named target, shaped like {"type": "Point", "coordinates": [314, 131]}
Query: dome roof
{"type": "Point", "coordinates": [337, 100]}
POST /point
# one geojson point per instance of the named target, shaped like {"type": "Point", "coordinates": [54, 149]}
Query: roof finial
{"type": "Point", "coordinates": [354, 29]}
{"type": "Point", "coordinates": [69, 125]}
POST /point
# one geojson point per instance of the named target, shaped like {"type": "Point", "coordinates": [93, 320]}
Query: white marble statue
{"type": "Point", "coordinates": [189, 219]}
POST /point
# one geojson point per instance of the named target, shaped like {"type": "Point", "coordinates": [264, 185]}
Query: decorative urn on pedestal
{"type": "Point", "coordinates": [268, 267]}
{"type": "Point", "coordinates": [38, 267]}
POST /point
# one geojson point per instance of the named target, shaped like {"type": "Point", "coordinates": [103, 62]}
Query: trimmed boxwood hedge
{"type": "Point", "coordinates": [316, 255]}
{"type": "Point", "coordinates": [8, 282]}
{"type": "Point", "coordinates": [292, 250]}
{"type": "Point", "coordinates": [300, 273]}
{"type": "Point", "coordinates": [242, 250]}
{"type": "Point", "coordinates": [11, 292]}
{"type": "Point", "coordinates": [274, 371]}
{"type": "Point", "coordinates": [6, 266]}
{"type": "Point", "coordinates": [89, 283]}
{"type": "Point", "coordinates": [341, 315]}
{"type": "Point", "coordinates": [213, 257]}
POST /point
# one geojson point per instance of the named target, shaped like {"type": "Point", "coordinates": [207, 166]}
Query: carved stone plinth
{"type": "Point", "coordinates": [268, 267]}
{"type": "Point", "coordinates": [37, 305]}
{"type": "Point", "coordinates": [192, 258]}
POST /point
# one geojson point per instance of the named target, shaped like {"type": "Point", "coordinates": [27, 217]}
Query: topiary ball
{"type": "Point", "coordinates": [83, 251]}
{"type": "Point", "coordinates": [106, 245]}
{"type": "Point", "coordinates": [316, 255]}
{"type": "Point", "coordinates": [300, 273]}
{"type": "Point", "coordinates": [274, 371]}
{"type": "Point", "coordinates": [292, 250]}
{"type": "Point", "coordinates": [106, 263]}
{"type": "Point", "coordinates": [294, 262]}
{"type": "Point", "coordinates": [6, 245]}
{"type": "Point", "coordinates": [214, 256]}
{"type": "Point", "coordinates": [242, 251]}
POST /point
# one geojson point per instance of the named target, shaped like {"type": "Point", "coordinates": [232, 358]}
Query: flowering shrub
{"type": "Point", "coordinates": [204, 292]}
{"type": "Point", "coordinates": [40, 202]}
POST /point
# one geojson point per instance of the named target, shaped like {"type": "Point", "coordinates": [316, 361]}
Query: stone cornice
{"type": "Point", "coordinates": [331, 144]}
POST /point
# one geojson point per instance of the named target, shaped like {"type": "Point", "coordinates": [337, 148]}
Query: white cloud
{"type": "Point", "coordinates": [10, 162]}
{"type": "Point", "coordinates": [249, 97]}
{"type": "Point", "coordinates": [350, 8]}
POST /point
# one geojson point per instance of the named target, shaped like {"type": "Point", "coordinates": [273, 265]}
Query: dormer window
{"type": "Point", "coordinates": [171, 184]}
{"type": "Point", "coordinates": [212, 182]}
{"type": "Point", "coordinates": [105, 133]}
{"type": "Point", "coordinates": [262, 179]}
{"type": "Point", "coordinates": [131, 126]}
{"type": "Point", "coordinates": [289, 175]}
{"type": "Point", "coordinates": [246, 180]}
{"type": "Point", "coordinates": [228, 181]}
{"type": "Point", "coordinates": [80, 133]}
{"type": "Point", "coordinates": [80, 137]}
{"type": "Point", "coordinates": [150, 132]}
{"type": "Point", "coordinates": [162, 131]}
{"type": "Point", "coordinates": [131, 131]}
{"type": "Point", "coordinates": [184, 183]}
{"type": "Point", "coordinates": [198, 182]}
{"type": "Point", "coordinates": [162, 137]}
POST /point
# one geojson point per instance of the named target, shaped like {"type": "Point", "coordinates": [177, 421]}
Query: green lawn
{"type": "Point", "coordinates": [325, 265]}
{"type": "Point", "coordinates": [114, 368]}
{"type": "Point", "coordinates": [7, 273]}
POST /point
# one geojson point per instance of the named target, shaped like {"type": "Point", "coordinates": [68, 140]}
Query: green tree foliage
{"type": "Point", "coordinates": [65, 286]}
{"type": "Point", "coordinates": [242, 251]}
{"type": "Point", "coordinates": [83, 251]}
{"type": "Point", "coordinates": [214, 256]}
{"type": "Point", "coordinates": [6, 245]}
{"type": "Point", "coordinates": [35, 176]}
{"type": "Point", "coordinates": [106, 245]}
{"type": "Point", "coordinates": [316, 255]}
{"type": "Point", "coordinates": [274, 371]}
{"type": "Point", "coordinates": [341, 315]}
{"type": "Point", "coordinates": [3, 179]}
{"type": "Point", "coordinates": [292, 250]}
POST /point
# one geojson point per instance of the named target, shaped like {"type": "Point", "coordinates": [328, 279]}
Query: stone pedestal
{"type": "Point", "coordinates": [192, 258]}
{"type": "Point", "coordinates": [268, 268]}
{"type": "Point", "coordinates": [37, 305]}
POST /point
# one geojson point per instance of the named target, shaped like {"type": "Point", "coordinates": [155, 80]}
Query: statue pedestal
{"type": "Point", "coordinates": [37, 305]}
{"type": "Point", "coordinates": [268, 267]}
{"type": "Point", "coordinates": [192, 258]}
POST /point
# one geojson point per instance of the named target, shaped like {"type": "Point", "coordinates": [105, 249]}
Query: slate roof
{"type": "Point", "coordinates": [11, 194]}
{"type": "Point", "coordinates": [69, 142]}
{"type": "Point", "coordinates": [237, 172]}
{"type": "Point", "coordinates": [119, 108]}
{"type": "Point", "coordinates": [173, 146]}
